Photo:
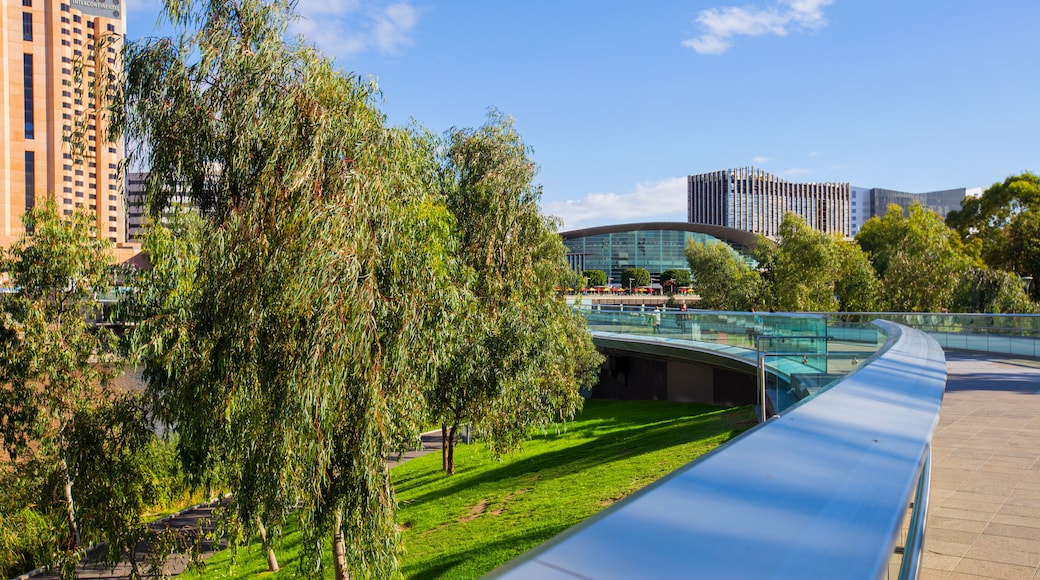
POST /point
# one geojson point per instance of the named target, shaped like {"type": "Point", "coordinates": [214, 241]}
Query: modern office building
{"type": "Point", "coordinates": [656, 246]}
{"type": "Point", "coordinates": [752, 200]}
{"type": "Point", "coordinates": [859, 208]}
{"type": "Point", "coordinates": [868, 203]}
{"type": "Point", "coordinates": [57, 55]}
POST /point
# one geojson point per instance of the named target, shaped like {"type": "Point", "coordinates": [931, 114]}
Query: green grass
{"type": "Point", "coordinates": [490, 511]}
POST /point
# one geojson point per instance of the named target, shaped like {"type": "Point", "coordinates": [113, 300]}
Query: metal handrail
{"type": "Point", "coordinates": [822, 491]}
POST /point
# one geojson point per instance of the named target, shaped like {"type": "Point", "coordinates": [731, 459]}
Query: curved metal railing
{"type": "Point", "coordinates": [819, 492]}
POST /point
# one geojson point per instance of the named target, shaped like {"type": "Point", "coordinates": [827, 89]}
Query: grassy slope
{"type": "Point", "coordinates": [491, 511]}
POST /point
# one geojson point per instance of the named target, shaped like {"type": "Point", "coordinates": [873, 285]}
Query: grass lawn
{"type": "Point", "coordinates": [490, 511]}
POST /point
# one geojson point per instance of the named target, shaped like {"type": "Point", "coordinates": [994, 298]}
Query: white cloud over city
{"type": "Point", "coordinates": [663, 200]}
{"type": "Point", "coordinates": [347, 27]}
{"type": "Point", "coordinates": [720, 26]}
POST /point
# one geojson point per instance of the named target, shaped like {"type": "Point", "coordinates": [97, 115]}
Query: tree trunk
{"type": "Point", "coordinates": [444, 447]}
{"type": "Point", "coordinates": [71, 508]}
{"type": "Point", "coordinates": [339, 549]}
{"type": "Point", "coordinates": [272, 560]}
{"type": "Point", "coordinates": [451, 450]}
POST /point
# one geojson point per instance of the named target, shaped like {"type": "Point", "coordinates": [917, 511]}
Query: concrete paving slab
{"type": "Point", "coordinates": [984, 513]}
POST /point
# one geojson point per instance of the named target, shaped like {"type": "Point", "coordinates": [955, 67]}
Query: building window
{"type": "Point", "coordinates": [27, 3]}
{"type": "Point", "coordinates": [75, 18]}
{"type": "Point", "coordinates": [27, 81]}
{"type": "Point", "coordinates": [30, 180]}
{"type": "Point", "coordinates": [26, 25]}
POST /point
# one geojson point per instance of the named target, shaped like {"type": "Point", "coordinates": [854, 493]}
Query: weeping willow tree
{"type": "Point", "coordinates": [290, 367]}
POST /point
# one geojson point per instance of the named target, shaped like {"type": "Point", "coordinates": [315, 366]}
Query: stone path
{"type": "Point", "coordinates": [984, 513]}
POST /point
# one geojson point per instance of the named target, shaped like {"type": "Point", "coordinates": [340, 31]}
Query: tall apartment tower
{"type": "Point", "coordinates": [752, 200]}
{"type": "Point", "coordinates": [53, 142]}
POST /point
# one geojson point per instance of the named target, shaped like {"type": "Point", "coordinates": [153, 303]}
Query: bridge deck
{"type": "Point", "coordinates": [984, 514]}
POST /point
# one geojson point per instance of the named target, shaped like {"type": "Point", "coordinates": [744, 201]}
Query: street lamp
{"type": "Point", "coordinates": [1027, 280]}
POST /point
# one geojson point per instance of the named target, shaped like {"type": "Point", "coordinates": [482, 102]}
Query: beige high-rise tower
{"type": "Point", "coordinates": [57, 56]}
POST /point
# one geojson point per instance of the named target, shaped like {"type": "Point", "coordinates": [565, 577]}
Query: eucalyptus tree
{"type": "Point", "coordinates": [805, 269]}
{"type": "Point", "coordinates": [56, 401]}
{"type": "Point", "coordinates": [1006, 221]}
{"type": "Point", "coordinates": [917, 257]}
{"type": "Point", "coordinates": [516, 355]}
{"type": "Point", "coordinates": [721, 279]}
{"type": "Point", "coordinates": [809, 270]}
{"type": "Point", "coordinates": [990, 291]}
{"type": "Point", "coordinates": [293, 364]}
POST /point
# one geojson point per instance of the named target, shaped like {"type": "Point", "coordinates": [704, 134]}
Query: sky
{"type": "Point", "coordinates": [620, 101]}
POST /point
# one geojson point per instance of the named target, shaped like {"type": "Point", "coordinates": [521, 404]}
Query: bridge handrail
{"type": "Point", "coordinates": [820, 491]}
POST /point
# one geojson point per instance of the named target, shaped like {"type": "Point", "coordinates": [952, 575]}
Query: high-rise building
{"type": "Point", "coordinates": [868, 203]}
{"type": "Point", "coordinates": [752, 200]}
{"type": "Point", "coordinates": [57, 56]}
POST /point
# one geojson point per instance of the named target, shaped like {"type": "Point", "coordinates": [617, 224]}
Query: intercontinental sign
{"type": "Point", "coordinates": [103, 8]}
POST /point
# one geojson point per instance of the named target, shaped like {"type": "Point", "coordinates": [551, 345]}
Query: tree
{"type": "Point", "coordinates": [990, 291]}
{"type": "Point", "coordinates": [298, 350]}
{"type": "Point", "coordinates": [805, 269]}
{"type": "Point", "coordinates": [516, 355]}
{"type": "Point", "coordinates": [917, 257]}
{"type": "Point", "coordinates": [595, 277]}
{"type": "Point", "coordinates": [1005, 220]}
{"type": "Point", "coordinates": [808, 270]}
{"type": "Point", "coordinates": [681, 276]}
{"type": "Point", "coordinates": [57, 404]}
{"type": "Point", "coordinates": [635, 277]}
{"type": "Point", "coordinates": [723, 281]}
{"type": "Point", "coordinates": [857, 286]}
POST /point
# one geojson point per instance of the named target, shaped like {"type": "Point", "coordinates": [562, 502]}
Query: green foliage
{"type": "Point", "coordinates": [721, 280]}
{"type": "Point", "coordinates": [680, 275]}
{"type": "Point", "coordinates": [1005, 220]}
{"type": "Point", "coordinates": [514, 355]}
{"type": "Point", "coordinates": [595, 277]}
{"type": "Point", "coordinates": [291, 364]}
{"type": "Point", "coordinates": [857, 285]}
{"type": "Point", "coordinates": [918, 258]}
{"type": "Point", "coordinates": [635, 277]}
{"type": "Point", "coordinates": [77, 444]}
{"type": "Point", "coordinates": [805, 268]}
{"type": "Point", "coordinates": [990, 291]}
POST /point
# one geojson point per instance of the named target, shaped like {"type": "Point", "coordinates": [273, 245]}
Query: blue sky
{"type": "Point", "coordinates": [621, 100]}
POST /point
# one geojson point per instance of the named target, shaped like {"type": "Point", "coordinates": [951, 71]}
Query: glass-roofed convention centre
{"type": "Point", "coordinates": [656, 246]}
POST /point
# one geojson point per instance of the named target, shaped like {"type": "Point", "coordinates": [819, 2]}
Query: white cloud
{"type": "Point", "coordinates": [663, 200]}
{"type": "Point", "coordinates": [758, 159]}
{"type": "Point", "coordinates": [721, 25]}
{"type": "Point", "coordinates": [347, 27]}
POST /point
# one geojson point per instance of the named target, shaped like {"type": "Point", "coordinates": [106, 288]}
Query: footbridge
{"type": "Point", "coordinates": [836, 479]}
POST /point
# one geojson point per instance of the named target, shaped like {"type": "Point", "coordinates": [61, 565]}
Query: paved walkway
{"type": "Point", "coordinates": [984, 513]}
